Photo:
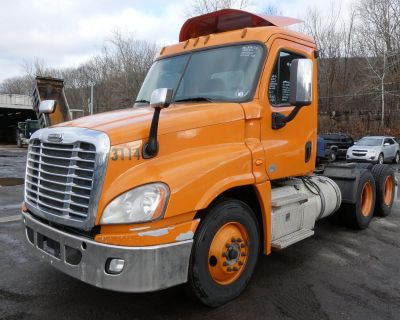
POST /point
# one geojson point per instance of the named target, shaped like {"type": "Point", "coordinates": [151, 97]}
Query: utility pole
{"type": "Point", "coordinates": [91, 99]}
{"type": "Point", "coordinates": [383, 90]}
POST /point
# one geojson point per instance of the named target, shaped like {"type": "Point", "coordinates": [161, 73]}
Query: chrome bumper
{"type": "Point", "coordinates": [146, 268]}
{"type": "Point", "coordinates": [365, 158]}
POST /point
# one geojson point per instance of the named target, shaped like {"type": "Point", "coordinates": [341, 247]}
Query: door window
{"type": "Point", "coordinates": [279, 84]}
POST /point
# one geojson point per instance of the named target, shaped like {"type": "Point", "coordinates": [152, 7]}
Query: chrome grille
{"type": "Point", "coordinates": [59, 177]}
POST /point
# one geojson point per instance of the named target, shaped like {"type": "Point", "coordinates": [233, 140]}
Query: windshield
{"type": "Point", "coordinates": [373, 142]}
{"type": "Point", "coordinates": [330, 136]}
{"type": "Point", "coordinates": [32, 126]}
{"type": "Point", "coordinates": [219, 74]}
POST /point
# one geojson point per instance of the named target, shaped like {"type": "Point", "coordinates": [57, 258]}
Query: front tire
{"type": "Point", "coordinates": [381, 159]}
{"type": "Point", "coordinates": [19, 142]}
{"type": "Point", "coordinates": [332, 156]}
{"type": "Point", "coordinates": [224, 254]}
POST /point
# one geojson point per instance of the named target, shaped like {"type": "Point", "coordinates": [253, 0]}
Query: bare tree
{"type": "Point", "coordinates": [272, 10]}
{"type": "Point", "coordinates": [379, 41]}
{"type": "Point", "coordinates": [198, 7]}
{"type": "Point", "coordinates": [116, 73]}
{"type": "Point", "coordinates": [334, 39]}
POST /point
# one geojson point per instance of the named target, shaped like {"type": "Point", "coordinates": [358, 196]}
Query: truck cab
{"type": "Point", "coordinates": [212, 165]}
{"type": "Point", "coordinates": [25, 130]}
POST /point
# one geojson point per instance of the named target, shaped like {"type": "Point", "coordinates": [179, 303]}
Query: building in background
{"type": "Point", "coordinates": [14, 108]}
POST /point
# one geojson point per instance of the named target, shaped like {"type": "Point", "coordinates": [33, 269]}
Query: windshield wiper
{"type": "Point", "coordinates": [195, 99]}
{"type": "Point", "coordinates": [142, 101]}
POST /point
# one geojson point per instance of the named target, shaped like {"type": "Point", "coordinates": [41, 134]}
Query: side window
{"type": "Point", "coordinates": [387, 141]}
{"type": "Point", "coordinates": [279, 84]}
{"type": "Point", "coordinates": [391, 141]}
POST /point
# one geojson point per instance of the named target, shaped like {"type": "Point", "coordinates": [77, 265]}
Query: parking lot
{"type": "Point", "coordinates": [337, 274]}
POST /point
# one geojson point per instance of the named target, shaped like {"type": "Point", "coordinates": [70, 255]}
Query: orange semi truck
{"type": "Point", "coordinates": [214, 165]}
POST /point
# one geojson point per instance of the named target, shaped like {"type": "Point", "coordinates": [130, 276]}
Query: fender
{"type": "Point", "coordinates": [197, 165]}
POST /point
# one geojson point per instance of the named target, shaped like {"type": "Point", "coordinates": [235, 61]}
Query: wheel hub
{"type": "Point", "coordinates": [366, 199]}
{"type": "Point", "coordinates": [388, 191]}
{"type": "Point", "coordinates": [228, 253]}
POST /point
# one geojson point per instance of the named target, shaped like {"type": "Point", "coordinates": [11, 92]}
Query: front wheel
{"type": "Point", "coordinates": [332, 156]}
{"type": "Point", "coordinates": [224, 254]}
{"type": "Point", "coordinates": [381, 159]}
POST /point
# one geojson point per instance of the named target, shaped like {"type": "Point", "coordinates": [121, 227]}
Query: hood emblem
{"type": "Point", "coordinates": [55, 137]}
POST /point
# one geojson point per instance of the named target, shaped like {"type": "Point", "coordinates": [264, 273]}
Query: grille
{"type": "Point", "coordinates": [358, 154]}
{"type": "Point", "coordinates": [59, 178]}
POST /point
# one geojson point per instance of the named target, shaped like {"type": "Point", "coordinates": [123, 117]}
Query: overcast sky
{"type": "Point", "coordinates": [69, 32]}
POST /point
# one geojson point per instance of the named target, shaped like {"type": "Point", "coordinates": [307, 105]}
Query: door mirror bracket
{"type": "Point", "coordinates": [279, 120]}
{"type": "Point", "coordinates": [160, 99]}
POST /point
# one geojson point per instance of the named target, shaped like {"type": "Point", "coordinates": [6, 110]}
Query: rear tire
{"type": "Point", "coordinates": [385, 189]}
{"type": "Point", "coordinates": [358, 215]}
{"type": "Point", "coordinates": [224, 254]}
{"type": "Point", "coordinates": [397, 158]}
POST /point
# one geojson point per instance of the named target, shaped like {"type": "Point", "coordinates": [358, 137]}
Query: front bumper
{"type": "Point", "coordinates": [146, 268]}
{"type": "Point", "coordinates": [366, 158]}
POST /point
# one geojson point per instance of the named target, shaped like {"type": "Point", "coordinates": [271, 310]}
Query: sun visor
{"type": "Point", "coordinates": [229, 19]}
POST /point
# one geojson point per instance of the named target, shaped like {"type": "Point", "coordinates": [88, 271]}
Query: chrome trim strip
{"type": "Point", "coordinates": [70, 135]}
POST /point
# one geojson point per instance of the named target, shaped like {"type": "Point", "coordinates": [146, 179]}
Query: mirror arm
{"type": "Point", "coordinates": [279, 120]}
{"type": "Point", "coordinates": [150, 148]}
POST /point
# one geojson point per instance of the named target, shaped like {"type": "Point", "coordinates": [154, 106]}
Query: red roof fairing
{"type": "Point", "coordinates": [229, 19]}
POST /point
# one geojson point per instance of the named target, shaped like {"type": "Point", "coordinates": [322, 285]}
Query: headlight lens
{"type": "Point", "coordinates": [144, 203]}
{"type": "Point", "coordinates": [372, 152]}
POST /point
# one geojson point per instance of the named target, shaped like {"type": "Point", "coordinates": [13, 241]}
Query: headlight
{"type": "Point", "coordinates": [144, 203]}
{"type": "Point", "coordinates": [372, 152]}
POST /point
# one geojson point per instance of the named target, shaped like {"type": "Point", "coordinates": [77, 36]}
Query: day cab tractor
{"type": "Point", "coordinates": [25, 130]}
{"type": "Point", "coordinates": [213, 166]}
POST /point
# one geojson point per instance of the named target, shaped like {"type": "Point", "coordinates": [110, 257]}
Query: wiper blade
{"type": "Point", "coordinates": [142, 101]}
{"type": "Point", "coordinates": [195, 99]}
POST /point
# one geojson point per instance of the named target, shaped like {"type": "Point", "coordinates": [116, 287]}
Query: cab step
{"type": "Point", "coordinates": [292, 238]}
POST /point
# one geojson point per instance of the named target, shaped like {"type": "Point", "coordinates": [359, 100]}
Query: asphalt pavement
{"type": "Point", "coordinates": [337, 274]}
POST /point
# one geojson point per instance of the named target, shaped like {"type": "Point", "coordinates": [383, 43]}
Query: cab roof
{"type": "Point", "coordinates": [231, 26]}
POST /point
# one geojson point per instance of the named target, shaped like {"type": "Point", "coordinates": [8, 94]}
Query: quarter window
{"type": "Point", "coordinates": [279, 84]}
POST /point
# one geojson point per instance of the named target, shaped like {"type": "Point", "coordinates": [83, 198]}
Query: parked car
{"type": "Point", "coordinates": [336, 144]}
{"type": "Point", "coordinates": [377, 149]}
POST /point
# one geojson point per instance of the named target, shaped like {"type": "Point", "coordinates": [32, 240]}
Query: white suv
{"type": "Point", "coordinates": [377, 149]}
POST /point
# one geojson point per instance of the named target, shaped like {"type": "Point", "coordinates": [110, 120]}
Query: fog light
{"type": "Point", "coordinates": [115, 266]}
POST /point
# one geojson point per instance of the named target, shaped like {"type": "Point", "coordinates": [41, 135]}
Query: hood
{"type": "Point", "coordinates": [131, 124]}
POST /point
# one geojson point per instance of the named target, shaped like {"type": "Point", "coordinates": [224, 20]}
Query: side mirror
{"type": "Point", "coordinates": [301, 76]}
{"type": "Point", "coordinates": [386, 144]}
{"type": "Point", "coordinates": [161, 98]}
{"type": "Point", "coordinates": [47, 106]}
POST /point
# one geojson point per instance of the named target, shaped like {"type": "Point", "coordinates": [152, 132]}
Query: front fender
{"type": "Point", "coordinates": [197, 164]}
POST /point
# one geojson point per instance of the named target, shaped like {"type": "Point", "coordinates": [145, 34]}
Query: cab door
{"type": "Point", "coordinates": [290, 150]}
